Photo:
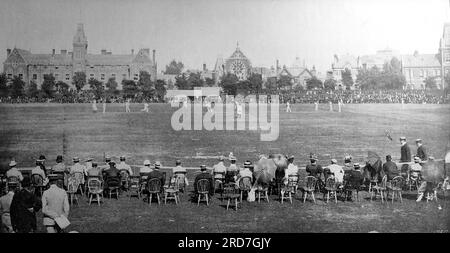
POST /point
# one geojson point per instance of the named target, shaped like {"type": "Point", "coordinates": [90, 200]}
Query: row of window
{"type": "Point", "coordinates": [424, 73]}
{"type": "Point", "coordinates": [92, 75]}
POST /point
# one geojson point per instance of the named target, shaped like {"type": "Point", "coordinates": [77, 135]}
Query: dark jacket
{"type": "Point", "coordinates": [314, 170]}
{"type": "Point", "coordinates": [205, 175]}
{"type": "Point", "coordinates": [390, 169]}
{"type": "Point", "coordinates": [354, 178]}
{"type": "Point", "coordinates": [22, 220]}
{"type": "Point", "coordinates": [405, 153]}
{"type": "Point", "coordinates": [422, 153]}
{"type": "Point", "coordinates": [158, 174]}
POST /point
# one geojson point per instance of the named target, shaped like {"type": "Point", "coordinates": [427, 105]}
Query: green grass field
{"type": "Point", "coordinates": [28, 130]}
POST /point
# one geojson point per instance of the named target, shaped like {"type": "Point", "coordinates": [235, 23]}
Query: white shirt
{"type": "Point", "coordinates": [145, 169]}
{"type": "Point", "coordinates": [178, 169]}
{"type": "Point", "coordinates": [338, 172]}
{"type": "Point", "coordinates": [123, 166]}
{"type": "Point", "coordinates": [246, 173]}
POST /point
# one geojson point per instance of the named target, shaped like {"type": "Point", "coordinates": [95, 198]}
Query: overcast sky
{"type": "Point", "coordinates": [197, 31]}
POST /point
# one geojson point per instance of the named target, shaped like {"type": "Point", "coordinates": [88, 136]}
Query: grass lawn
{"type": "Point", "coordinates": [28, 130]}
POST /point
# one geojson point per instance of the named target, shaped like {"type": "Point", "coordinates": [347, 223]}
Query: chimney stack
{"type": "Point", "coordinates": [204, 66]}
{"type": "Point", "coordinates": [103, 51]}
{"type": "Point", "coordinates": [132, 51]}
{"type": "Point", "coordinates": [53, 51]}
{"type": "Point", "coordinates": [277, 67]}
{"type": "Point", "coordinates": [154, 58]}
{"type": "Point", "coordinates": [63, 51]}
{"type": "Point", "coordinates": [8, 52]}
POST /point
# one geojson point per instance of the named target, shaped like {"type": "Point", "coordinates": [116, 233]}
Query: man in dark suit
{"type": "Point", "coordinates": [390, 168]}
{"type": "Point", "coordinates": [405, 155]}
{"type": "Point", "coordinates": [204, 175]}
{"type": "Point", "coordinates": [23, 209]}
{"type": "Point", "coordinates": [112, 176]}
{"type": "Point", "coordinates": [156, 173]}
{"type": "Point", "coordinates": [421, 150]}
{"type": "Point", "coordinates": [353, 178]}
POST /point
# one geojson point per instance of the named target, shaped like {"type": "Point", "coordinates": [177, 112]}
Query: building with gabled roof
{"type": "Point", "coordinates": [33, 67]}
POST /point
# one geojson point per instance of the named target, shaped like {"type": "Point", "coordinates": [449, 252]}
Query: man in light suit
{"type": "Point", "coordinates": [54, 204]}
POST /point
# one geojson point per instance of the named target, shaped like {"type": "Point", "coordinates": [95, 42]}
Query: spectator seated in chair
{"type": "Point", "coordinates": [353, 178]}
{"type": "Point", "coordinates": [112, 176]}
{"type": "Point", "coordinates": [337, 171]}
{"type": "Point", "coordinates": [204, 175]}
{"type": "Point", "coordinates": [13, 171]}
{"type": "Point", "coordinates": [292, 170]}
{"type": "Point", "coordinates": [145, 171]}
{"type": "Point", "coordinates": [156, 173]}
{"type": "Point", "coordinates": [54, 204]}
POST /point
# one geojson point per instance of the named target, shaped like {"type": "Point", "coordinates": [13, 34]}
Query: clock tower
{"type": "Point", "coordinates": [80, 45]}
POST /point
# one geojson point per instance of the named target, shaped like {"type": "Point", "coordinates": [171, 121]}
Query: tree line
{"type": "Point", "coordinates": [145, 88]}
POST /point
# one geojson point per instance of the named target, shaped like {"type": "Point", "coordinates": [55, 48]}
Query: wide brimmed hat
{"type": "Point", "coordinates": [418, 140]}
{"type": "Point", "coordinates": [147, 162]}
{"type": "Point", "coordinates": [333, 161]}
{"type": "Point", "coordinates": [76, 159]}
{"type": "Point", "coordinates": [417, 159]}
{"type": "Point", "coordinates": [356, 165]}
{"type": "Point", "coordinates": [157, 164]}
{"type": "Point", "coordinates": [403, 138]}
{"type": "Point", "coordinates": [12, 163]}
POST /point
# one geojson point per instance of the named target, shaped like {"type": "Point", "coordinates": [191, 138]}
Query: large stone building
{"type": "Point", "coordinates": [415, 67]}
{"type": "Point", "coordinates": [237, 64]}
{"type": "Point", "coordinates": [33, 67]}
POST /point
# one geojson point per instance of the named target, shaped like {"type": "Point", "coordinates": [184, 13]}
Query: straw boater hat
{"type": "Point", "coordinates": [232, 158]}
{"type": "Point", "coordinates": [334, 161]}
{"type": "Point", "coordinates": [248, 164]}
{"type": "Point", "coordinates": [146, 162]}
{"type": "Point", "coordinates": [202, 167]}
{"type": "Point", "coordinates": [12, 163]}
{"type": "Point", "coordinates": [157, 164]}
{"type": "Point", "coordinates": [403, 138]}
{"type": "Point", "coordinates": [417, 159]}
{"type": "Point", "coordinates": [76, 159]}
{"type": "Point", "coordinates": [356, 166]}
{"type": "Point", "coordinates": [418, 140]}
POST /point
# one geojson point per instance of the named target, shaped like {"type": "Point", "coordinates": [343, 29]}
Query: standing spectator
{"type": "Point", "coordinates": [5, 204]}
{"type": "Point", "coordinates": [390, 168]}
{"type": "Point", "coordinates": [405, 155]}
{"type": "Point", "coordinates": [421, 150]}
{"type": "Point", "coordinates": [23, 209]}
{"type": "Point", "coordinates": [204, 175]}
{"type": "Point", "coordinates": [123, 166]}
{"type": "Point", "coordinates": [54, 204]}
{"type": "Point", "coordinates": [13, 171]}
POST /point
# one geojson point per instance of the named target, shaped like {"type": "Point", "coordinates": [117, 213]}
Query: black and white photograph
{"type": "Point", "coordinates": [218, 117]}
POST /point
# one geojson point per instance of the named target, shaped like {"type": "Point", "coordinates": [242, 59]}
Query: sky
{"type": "Point", "coordinates": [199, 31]}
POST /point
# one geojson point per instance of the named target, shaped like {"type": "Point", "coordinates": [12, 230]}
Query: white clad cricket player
{"type": "Point", "coordinates": [316, 105]}
{"type": "Point", "coordinates": [331, 106]}
{"type": "Point", "coordinates": [127, 106]}
{"type": "Point", "coordinates": [288, 107]}
{"type": "Point", "coordinates": [339, 105]}
{"type": "Point", "coordinates": [238, 110]}
{"type": "Point", "coordinates": [104, 105]}
{"type": "Point", "coordinates": [145, 107]}
{"type": "Point", "coordinates": [94, 106]}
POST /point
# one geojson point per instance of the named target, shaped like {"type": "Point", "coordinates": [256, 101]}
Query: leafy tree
{"type": "Point", "coordinates": [145, 84]}
{"type": "Point", "coordinates": [181, 82]}
{"type": "Point", "coordinates": [195, 80]}
{"type": "Point", "coordinates": [48, 86]}
{"type": "Point", "coordinates": [17, 87]}
{"type": "Point", "coordinates": [209, 82]}
{"type": "Point", "coordinates": [97, 87]}
{"type": "Point", "coordinates": [3, 85]}
{"type": "Point", "coordinates": [284, 82]}
{"type": "Point", "coordinates": [430, 83]}
{"type": "Point", "coordinates": [330, 84]}
{"type": "Point", "coordinates": [271, 85]}
{"type": "Point", "coordinates": [130, 88]}
{"type": "Point", "coordinates": [174, 68]}
{"type": "Point", "coordinates": [32, 90]}
{"type": "Point", "coordinates": [79, 80]}
{"type": "Point", "coordinates": [160, 88]}
{"type": "Point", "coordinates": [255, 83]}
{"type": "Point", "coordinates": [229, 83]}
{"type": "Point", "coordinates": [313, 83]}
{"type": "Point", "coordinates": [112, 86]}
{"type": "Point", "coordinates": [347, 79]}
